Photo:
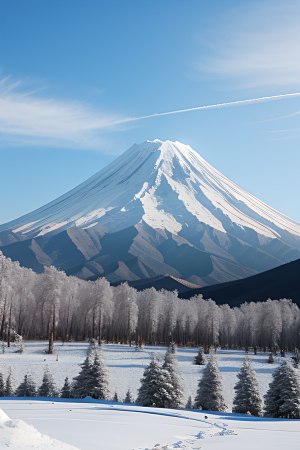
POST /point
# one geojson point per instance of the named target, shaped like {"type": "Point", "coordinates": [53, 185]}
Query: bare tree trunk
{"type": "Point", "coordinates": [51, 327]}
{"type": "Point", "coordinates": [9, 327]}
{"type": "Point", "coordinates": [99, 327]}
{"type": "Point", "coordinates": [128, 330]}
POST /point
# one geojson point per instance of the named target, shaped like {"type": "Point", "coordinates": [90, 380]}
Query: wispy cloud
{"type": "Point", "coordinates": [258, 45]}
{"type": "Point", "coordinates": [29, 119]}
{"type": "Point", "coordinates": [281, 117]}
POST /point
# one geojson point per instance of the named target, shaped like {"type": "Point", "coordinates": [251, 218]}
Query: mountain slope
{"type": "Point", "coordinates": [162, 203]}
{"type": "Point", "coordinates": [281, 282]}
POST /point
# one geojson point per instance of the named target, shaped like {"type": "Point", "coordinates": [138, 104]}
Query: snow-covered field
{"type": "Point", "coordinates": [111, 426]}
{"type": "Point", "coordinates": [91, 424]}
{"type": "Point", "coordinates": [126, 365]}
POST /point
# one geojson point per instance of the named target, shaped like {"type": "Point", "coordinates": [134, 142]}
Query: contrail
{"type": "Point", "coordinates": [219, 105]}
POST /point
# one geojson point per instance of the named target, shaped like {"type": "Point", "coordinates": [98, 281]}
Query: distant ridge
{"type": "Point", "coordinates": [281, 282]}
{"type": "Point", "coordinates": [166, 282]}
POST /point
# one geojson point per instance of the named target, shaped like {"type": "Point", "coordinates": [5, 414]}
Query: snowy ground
{"type": "Point", "coordinates": [45, 424]}
{"type": "Point", "coordinates": [126, 365]}
{"type": "Point", "coordinates": [111, 426]}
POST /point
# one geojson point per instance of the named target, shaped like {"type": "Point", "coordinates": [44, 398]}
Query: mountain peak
{"type": "Point", "coordinates": [157, 208]}
{"type": "Point", "coordinates": [165, 184]}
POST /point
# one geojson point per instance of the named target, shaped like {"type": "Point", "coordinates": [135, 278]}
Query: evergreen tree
{"type": "Point", "coordinates": [172, 347]}
{"type": "Point", "coordinates": [199, 358]}
{"type": "Point", "coordinates": [115, 397]}
{"type": "Point", "coordinates": [156, 386]}
{"type": "Point", "coordinates": [247, 397]}
{"type": "Point", "coordinates": [176, 392]}
{"type": "Point", "coordinates": [2, 387]}
{"type": "Point", "coordinates": [209, 394]}
{"type": "Point", "coordinates": [283, 397]}
{"type": "Point", "coordinates": [99, 380]}
{"type": "Point", "coordinates": [47, 388]}
{"type": "Point", "coordinates": [81, 384]}
{"type": "Point", "coordinates": [91, 350]}
{"type": "Point", "coordinates": [9, 392]}
{"type": "Point", "coordinates": [66, 389]}
{"type": "Point", "coordinates": [189, 403]}
{"type": "Point", "coordinates": [27, 388]}
{"type": "Point", "coordinates": [128, 398]}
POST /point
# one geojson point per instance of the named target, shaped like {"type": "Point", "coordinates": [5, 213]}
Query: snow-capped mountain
{"type": "Point", "coordinates": [158, 208]}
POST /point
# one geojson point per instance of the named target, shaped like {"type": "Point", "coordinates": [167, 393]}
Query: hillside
{"type": "Point", "coordinates": [281, 282]}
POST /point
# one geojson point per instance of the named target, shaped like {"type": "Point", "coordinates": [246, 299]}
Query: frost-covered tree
{"type": "Point", "coordinates": [66, 390]}
{"type": "Point", "coordinates": [103, 304]}
{"type": "Point", "coordinates": [209, 394]}
{"type": "Point", "coordinates": [283, 397]}
{"type": "Point", "coordinates": [9, 392]}
{"type": "Point", "coordinates": [47, 388]}
{"type": "Point", "coordinates": [91, 350]}
{"type": "Point", "coordinates": [189, 403]}
{"type": "Point", "coordinates": [247, 397]}
{"type": "Point", "coordinates": [99, 377]}
{"type": "Point", "coordinates": [27, 388]}
{"type": "Point", "coordinates": [176, 392]}
{"type": "Point", "coordinates": [50, 294]}
{"type": "Point", "coordinates": [172, 347]}
{"type": "Point", "coordinates": [128, 397]}
{"type": "Point", "coordinates": [148, 316]}
{"type": "Point", "coordinates": [2, 386]}
{"type": "Point", "coordinates": [156, 386]}
{"type": "Point", "coordinates": [82, 382]}
{"type": "Point", "coordinates": [115, 397]}
{"type": "Point", "coordinates": [200, 358]}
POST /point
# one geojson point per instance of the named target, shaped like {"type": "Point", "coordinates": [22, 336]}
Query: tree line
{"type": "Point", "coordinates": [54, 306]}
{"type": "Point", "coordinates": [162, 387]}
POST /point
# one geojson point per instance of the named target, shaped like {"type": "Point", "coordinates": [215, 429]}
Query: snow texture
{"type": "Point", "coordinates": [126, 366]}
{"type": "Point", "coordinates": [167, 185]}
{"type": "Point", "coordinates": [92, 425]}
{"type": "Point", "coordinates": [18, 435]}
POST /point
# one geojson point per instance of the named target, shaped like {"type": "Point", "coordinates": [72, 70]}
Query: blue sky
{"type": "Point", "coordinates": [70, 69]}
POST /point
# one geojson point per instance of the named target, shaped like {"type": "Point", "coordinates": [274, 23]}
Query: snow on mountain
{"type": "Point", "coordinates": [168, 188]}
{"type": "Point", "coordinates": [164, 183]}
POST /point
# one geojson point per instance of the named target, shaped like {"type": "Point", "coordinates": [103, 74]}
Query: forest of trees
{"type": "Point", "coordinates": [162, 387]}
{"type": "Point", "coordinates": [53, 306]}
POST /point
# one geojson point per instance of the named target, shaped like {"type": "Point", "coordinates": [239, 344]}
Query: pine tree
{"type": "Point", "coordinates": [209, 394]}
{"type": "Point", "coordinates": [66, 389]}
{"type": "Point", "coordinates": [9, 392]}
{"type": "Point", "coordinates": [91, 350]}
{"type": "Point", "coordinates": [155, 388]}
{"type": "Point", "coordinates": [247, 397]}
{"type": "Point", "coordinates": [176, 392]}
{"type": "Point", "coordinates": [2, 387]}
{"type": "Point", "coordinates": [172, 347]}
{"type": "Point", "coordinates": [99, 380]}
{"type": "Point", "coordinates": [115, 397]}
{"type": "Point", "coordinates": [27, 388]}
{"type": "Point", "coordinates": [47, 388]}
{"type": "Point", "coordinates": [128, 398]}
{"type": "Point", "coordinates": [189, 403]}
{"type": "Point", "coordinates": [283, 397]}
{"type": "Point", "coordinates": [81, 384]}
{"type": "Point", "coordinates": [200, 359]}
